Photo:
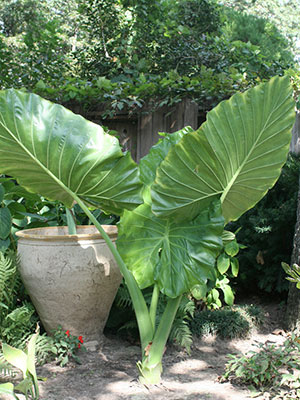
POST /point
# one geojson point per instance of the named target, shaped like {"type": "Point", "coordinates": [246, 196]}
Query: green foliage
{"type": "Point", "coordinates": [24, 209]}
{"type": "Point", "coordinates": [207, 88]}
{"type": "Point", "coordinates": [65, 346]}
{"type": "Point", "coordinates": [293, 273]}
{"type": "Point", "coordinates": [9, 281]}
{"type": "Point", "coordinates": [25, 361]}
{"type": "Point", "coordinates": [5, 368]}
{"type": "Point", "coordinates": [30, 210]}
{"type": "Point", "coordinates": [181, 333]}
{"type": "Point", "coordinates": [272, 367]}
{"type": "Point", "coordinates": [259, 32]}
{"type": "Point", "coordinates": [18, 323]}
{"type": "Point", "coordinates": [227, 267]}
{"type": "Point", "coordinates": [125, 53]}
{"type": "Point", "coordinates": [122, 317]}
{"type": "Point", "coordinates": [226, 323]}
{"type": "Point", "coordinates": [200, 178]}
{"type": "Point", "coordinates": [5, 222]}
{"type": "Point", "coordinates": [17, 316]}
{"type": "Point", "coordinates": [261, 231]}
{"type": "Point", "coordinates": [283, 15]}
{"type": "Point", "coordinates": [44, 350]}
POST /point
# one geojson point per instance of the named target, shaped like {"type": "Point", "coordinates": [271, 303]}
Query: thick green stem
{"type": "Point", "coordinates": [140, 307]}
{"type": "Point", "coordinates": [151, 367]}
{"type": "Point", "coordinates": [71, 222]}
{"type": "Point", "coordinates": [153, 305]}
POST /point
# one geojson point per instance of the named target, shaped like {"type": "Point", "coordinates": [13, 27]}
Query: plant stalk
{"type": "Point", "coordinates": [140, 307]}
{"type": "Point", "coordinates": [153, 305]}
{"type": "Point", "coordinates": [151, 366]}
{"type": "Point", "coordinates": [71, 222]}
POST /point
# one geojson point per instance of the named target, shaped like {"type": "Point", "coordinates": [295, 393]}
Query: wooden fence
{"type": "Point", "coordinates": [138, 133]}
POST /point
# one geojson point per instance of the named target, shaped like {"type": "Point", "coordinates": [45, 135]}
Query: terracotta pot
{"type": "Point", "coordinates": [72, 280]}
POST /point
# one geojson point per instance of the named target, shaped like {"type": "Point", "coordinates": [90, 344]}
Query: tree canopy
{"type": "Point", "coordinates": [125, 51]}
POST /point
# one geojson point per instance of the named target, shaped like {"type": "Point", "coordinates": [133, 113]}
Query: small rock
{"type": "Point", "coordinates": [92, 345]}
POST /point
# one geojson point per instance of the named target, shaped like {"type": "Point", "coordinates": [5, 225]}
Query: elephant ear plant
{"type": "Point", "coordinates": [173, 206]}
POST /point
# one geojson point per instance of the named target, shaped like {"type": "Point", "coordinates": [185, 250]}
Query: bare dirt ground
{"type": "Point", "coordinates": [110, 373]}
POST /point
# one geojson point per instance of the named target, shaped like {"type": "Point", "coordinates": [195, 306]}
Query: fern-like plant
{"type": "Point", "coordinates": [181, 333]}
{"type": "Point", "coordinates": [17, 315]}
{"type": "Point", "coordinates": [9, 282]}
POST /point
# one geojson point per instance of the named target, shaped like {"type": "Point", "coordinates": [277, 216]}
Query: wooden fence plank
{"type": "Point", "coordinates": [139, 134]}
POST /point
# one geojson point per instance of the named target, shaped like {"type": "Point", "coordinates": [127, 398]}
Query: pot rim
{"type": "Point", "coordinates": [37, 233]}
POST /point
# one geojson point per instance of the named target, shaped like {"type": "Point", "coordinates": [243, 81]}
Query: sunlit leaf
{"type": "Point", "coordinates": [232, 248]}
{"type": "Point", "coordinates": [236, 155]}
{"type": "Point", "coordinates": [59, 154]}
{"type": "Point", "coordinates": [223, 263]}
{"type": "Point", "coordinates": [15, 357]}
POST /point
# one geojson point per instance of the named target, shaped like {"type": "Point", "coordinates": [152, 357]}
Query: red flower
{"type": "Point", "coordinates": [79, 345]}
{"type": "Point", "coordinates": [80, 338]}
{"type": "Point", "coordinates": [67, 333]}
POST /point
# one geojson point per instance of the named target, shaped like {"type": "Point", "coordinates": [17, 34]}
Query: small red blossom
{"type": "Point", "coordinates": [79, 345]}
{"type": "Point", "coordinates": [80, 338]}
{"type": "Point", "coordinates": [67, 333]}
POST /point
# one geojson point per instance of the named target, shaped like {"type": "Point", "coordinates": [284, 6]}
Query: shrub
{"type": "Point", "coordinates": [226, 323]}
{"type": "Point", "coordinates": [271, 367]}
{"type": "Point", "coordinates": [262, 230]}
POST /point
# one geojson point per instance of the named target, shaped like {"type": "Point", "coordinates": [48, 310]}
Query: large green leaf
{"type": "Point", "coordinates": [158, 152]}
{"type": "Point", "coordinates": [175, 256]}
{"type": "Point", "coordinates": [52, 151]}
{"type": "Point", "coordinates": [7, 388]}
{"type": "Point", "coordinates": [236, 154]}
{"type": "Point", "coordinates": [15, 357]}
{"type": "Point", "coordinates": [31, 354]}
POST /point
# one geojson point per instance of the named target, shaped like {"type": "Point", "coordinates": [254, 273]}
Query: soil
{"type": "Point", "coordinates": [110, 372]}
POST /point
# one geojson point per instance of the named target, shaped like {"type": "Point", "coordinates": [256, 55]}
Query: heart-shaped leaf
{"type": "Point", "coordinates": [157, 153]}
{"type": "Point", "coordinates": [176, 256]}
{"type": "Point", "coordinates": [236, 155]}
{"type": "Point", "coordinates": [59, 154]}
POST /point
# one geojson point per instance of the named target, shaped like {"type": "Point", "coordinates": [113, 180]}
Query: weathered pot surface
{"type": "Point", "coordinates": [72, 279]}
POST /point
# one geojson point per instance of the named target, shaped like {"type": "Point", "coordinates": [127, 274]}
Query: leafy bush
{"type": "Point", "coordinates": [226, 323]}
{"type": "Point", "coordinates": [260, 32]}
{"type": "Point", "coordinates": [262, 230]}
{"type": "Point", "coordinates": [125, 51]}
{"type": "Point", "coordinates": [271, 367]}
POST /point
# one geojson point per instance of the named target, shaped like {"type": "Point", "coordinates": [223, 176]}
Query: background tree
{"type": "Point", "coordinates": [283, 14]}
{"type": "Point", "coordinates": [84, 39]}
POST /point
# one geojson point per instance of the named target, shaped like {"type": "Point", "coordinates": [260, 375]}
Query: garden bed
{"type": "Point", "coordinates": [110, 373]}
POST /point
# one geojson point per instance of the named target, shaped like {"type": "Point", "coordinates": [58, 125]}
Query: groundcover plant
{"type": "Point", "coordinates": [173, 206]}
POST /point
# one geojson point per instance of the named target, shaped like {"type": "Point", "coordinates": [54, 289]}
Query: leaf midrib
{"type": "Point", "coordinates": [34, 159]}
{"type": "Point", "coordinates": [233, 179]}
